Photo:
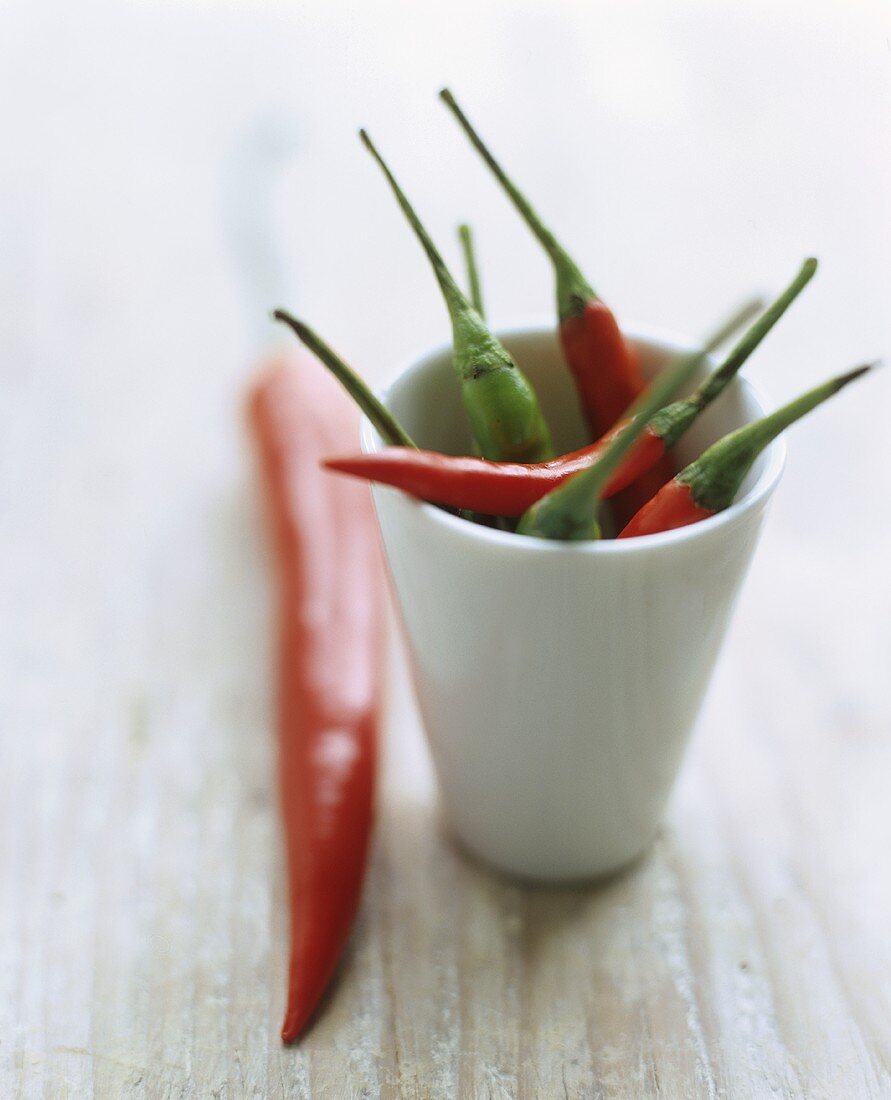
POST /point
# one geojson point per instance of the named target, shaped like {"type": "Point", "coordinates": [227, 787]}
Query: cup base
{"type": "Point", "coordinates": [556, 874]}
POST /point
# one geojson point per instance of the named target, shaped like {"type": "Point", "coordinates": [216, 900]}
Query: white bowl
{"type": "Point", "coordinates": [559, 682]}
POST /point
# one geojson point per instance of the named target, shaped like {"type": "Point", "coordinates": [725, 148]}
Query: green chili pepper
{"type": "Point", "coordinates": [501, 405]}
{"type": "Point", "coordinates": [465, 236]}
{"type": "Point", "coordinates": [571, 511]}
{"type": "Point", "coordinates": [385, 423]}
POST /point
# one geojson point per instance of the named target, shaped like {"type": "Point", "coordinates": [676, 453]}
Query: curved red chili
{"type": "Point", "coordinates": [491, 488]}
{"type": "Point", "coordinates": [326, 552]}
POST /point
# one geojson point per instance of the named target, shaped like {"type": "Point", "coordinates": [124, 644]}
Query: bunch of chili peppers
{"type": "Point", "coordinates": [323, 535]}
{"type": "Point", "coordinates": [514, 480]}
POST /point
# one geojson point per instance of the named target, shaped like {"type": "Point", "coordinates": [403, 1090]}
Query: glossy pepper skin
{"type": "Point", "coordinates": [603, 364]}
{"type": "Point", "coordinates": [329, 631]}
{"type": "Point", "coordinates": [492, 488]}
{"type": "Point", "coordinates": [671, 423]}
{"type": "Point", "coordinates": [710, 484]}
{"type": "Point", "coordinates": [501, 405]}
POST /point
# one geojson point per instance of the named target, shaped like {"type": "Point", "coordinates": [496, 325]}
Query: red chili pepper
{"type": "Point", "coordinates": [604, 365]}
{"type": "Point", "coordinates": [673, 506]}
{"type": "Point", "coordinates": [710, 484]}
{"type": "Point", "coordinates": [329, 666]}
{"type": "Point", "coordinates": [492, 488]}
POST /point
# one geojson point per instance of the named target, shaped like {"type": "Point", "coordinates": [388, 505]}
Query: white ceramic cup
{"type": "Point", "coordinates": [558, 682]}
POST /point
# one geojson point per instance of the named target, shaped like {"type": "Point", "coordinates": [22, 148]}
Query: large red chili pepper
{"type": "Point", "coordinates": [710, 484]}
{"type": "Point", "coordinates": [329, 665]}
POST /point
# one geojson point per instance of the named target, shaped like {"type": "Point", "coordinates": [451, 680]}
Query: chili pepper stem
{"type": "Point", "coordinates": [464, 317]}
{"type": "Point", "coordinates": [465, 236]}
{"type": "Point", "coordinates": [385, 423]}
{"type": "Point", "coordinates": [716, 476]}
{"type": "Point", "coordinates": [751, 339]}
{"type": "Point", "coordinates": [501, 405]}
{"type": "Point", "coordinates": [671, 423]}
{"type": "Point", "coordinates": [573, 289]}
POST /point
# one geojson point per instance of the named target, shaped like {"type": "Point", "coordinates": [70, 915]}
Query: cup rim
{"type": "Point", "coordinates": [759, 493]}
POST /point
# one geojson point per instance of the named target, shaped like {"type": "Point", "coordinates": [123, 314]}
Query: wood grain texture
{"type": "Point", "coordinates": [142, 917]}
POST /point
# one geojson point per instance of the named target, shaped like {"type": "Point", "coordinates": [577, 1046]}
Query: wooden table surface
{"type": "Point", "coordinates": [690, 152]}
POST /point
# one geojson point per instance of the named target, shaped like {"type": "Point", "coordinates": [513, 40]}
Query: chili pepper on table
{"type": "Point", "coordinates": [465, 236]}
{"type": "Point", "coordinates": [571, 511]}
{"type": "Point", "coordinates": [509, 488]}
{"type": "Point", "coordinates": [710, 483]}
{"type": "Point", "coordinates": [603, 364]}
{"type": "Point", "coordinates": [329, 655]}
{"type": "Point", "coordinates": [503, 410]}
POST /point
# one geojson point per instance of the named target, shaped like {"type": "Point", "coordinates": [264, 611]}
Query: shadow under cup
{"type": "Point", "coordinates": [559, 682]}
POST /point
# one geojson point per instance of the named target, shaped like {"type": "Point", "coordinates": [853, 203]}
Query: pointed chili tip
{"type": "Point", "coordinates": [339, 463]}
{"type": "Point", "coordinates": [286, 318]}
{"type": "Point", "coordinates": [290, 1031]}
{"type": "Point", "coordinates": [857, 372]}
{"type": "Point", "coordinates": [365, 139]}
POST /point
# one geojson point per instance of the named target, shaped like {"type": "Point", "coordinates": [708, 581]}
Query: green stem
{"type": "Point", "coordinates": [503, 410]}
{"type": "Point", "coordinates": [385, 423]}
{"type": "Point", "coordinates": [573, 289]}
{"type": "Point", "coordinates": [465, 236]}
{"type": "Point", "coordinates": [716, 476]}
{"type": "Point", "coordinates": [672, 422]}
{"type": "Point", "coordinates": [571, 512]}
{"type": "Point", "coordinates": [455, 300]}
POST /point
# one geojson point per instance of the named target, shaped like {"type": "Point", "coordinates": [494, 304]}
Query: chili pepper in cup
{"type": "Point", "coordinates": [503, 410]}
{"type": "Point", "coordinates": [669, 424]}
{"type": "Point", "coordinates": [710, 483]}
{"type": "Point", "coordinates": [605, 369]}
{"type": "Point", "coordinates": [477, 485]}
{"type": "Point", "coordinates": [571, 511]}
{"type": "Point", "coordinates": [385, 423]}
{"type": "Point", "coordinates": [510, 488]}
{"type": "Point", "coordinates": [329, 653]}
{"type": "Point", "coordinates": [465, 236]}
